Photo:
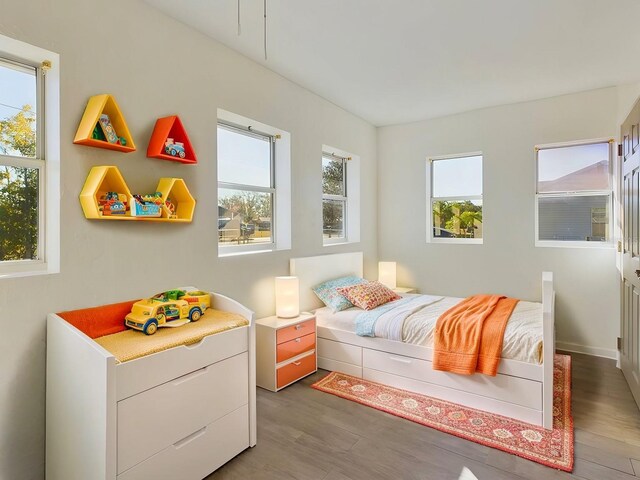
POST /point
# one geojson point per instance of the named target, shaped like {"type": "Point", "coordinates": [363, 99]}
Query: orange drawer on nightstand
{"type": "Point", "coordinates": [295, 347]}
{"type": "Point", "coordinates": [294, 331]}
{"type": "Point", "coordinates": [296, 370]}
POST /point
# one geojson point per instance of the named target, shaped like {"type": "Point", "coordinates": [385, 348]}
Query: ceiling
{"type": "Point", "coordinates": [397, 61]}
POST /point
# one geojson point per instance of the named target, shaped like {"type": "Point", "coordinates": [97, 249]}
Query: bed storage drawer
{"type": "Point", "coordinates": [341, 352]}
{"type": "Point", "coordinates": [297, 330]}
{"type": "Point", "coordinates": [159, 417]}
{"type": "Point", "coordinates": [293, 371]}
{"type": "Point", "coordinates": [196, 455]}
{"type": "Point", "coordinates": [290, 349]}
{"type": "Point", "coordinates": [520, 391]}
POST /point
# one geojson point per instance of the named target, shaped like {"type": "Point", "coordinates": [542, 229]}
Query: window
{"type": "Point", "coordinates": [334, 198]}
{"type": "Point", "coordinates": [249, 190]}
{"type": "Point", "coordinates": [455, 199]}
{"type": "Point", "coordinates": [340, 196]}
{"type": "Point", "coordinates": [29, 159]}
{"type": "Point", "coordinates": [573, 201]}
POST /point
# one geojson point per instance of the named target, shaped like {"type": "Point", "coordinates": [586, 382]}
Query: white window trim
{"type": "Point", "coordinates": [49, 193]}
{"type": "Point", "coordinates": [352, 213]}
{"type": "Point", "coordinates": [281, 221]}
{"type": "Point", "coordinates": [578, 243]}
{"type": "Point", "coordinates": [429, 188]}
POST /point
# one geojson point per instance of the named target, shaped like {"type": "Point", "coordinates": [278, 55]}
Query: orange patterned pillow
{"type": "Point", "coordinates": [369, 295]}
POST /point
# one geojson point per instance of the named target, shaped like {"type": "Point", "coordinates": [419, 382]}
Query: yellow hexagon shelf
{"type": "Point", "coordinates": [106, 196]}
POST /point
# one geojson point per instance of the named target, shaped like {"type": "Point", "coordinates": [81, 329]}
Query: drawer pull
{"type": "Point", "coordinates": [298, 340]}
{"type": "Point", "coordinates": [401, 360]}
{"type": "Point", "coordinates": [190, 376]}
{"type": "Point", "coordinates": [297, 364]}
{"type": "Point", "coordinates": [190, 438]}
{"type": "Point", "coordinates": [299, 326]}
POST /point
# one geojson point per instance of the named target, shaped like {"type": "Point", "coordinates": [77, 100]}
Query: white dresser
{"type": "Point", "coordinates": [180, 413]}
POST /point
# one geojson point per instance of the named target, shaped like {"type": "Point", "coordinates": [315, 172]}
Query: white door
{"type": "Point", "coordinates": [630, 195]}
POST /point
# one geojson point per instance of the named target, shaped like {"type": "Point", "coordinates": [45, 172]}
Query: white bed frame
{"type": "Point", "coordinates": [520, 390]}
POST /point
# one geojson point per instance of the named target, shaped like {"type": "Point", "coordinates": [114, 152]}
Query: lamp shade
{"type": "Point", "coordinates": [287, 297]}
{"type": "Point", "coordinates": [387, 274]}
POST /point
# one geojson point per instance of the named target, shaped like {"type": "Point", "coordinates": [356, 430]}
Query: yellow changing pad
{"type": "Point", "coordinates": [132, 344]}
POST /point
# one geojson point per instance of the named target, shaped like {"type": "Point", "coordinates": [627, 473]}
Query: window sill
{"type": "Point", "coordinates": [563, 244]}
{"type": "Point", "coordinates": [236, 250]}
{"type": "Point", "coordinates": [458, 241]}
{"type": "Point", "coordinates": [19, 269]}
{"type": "Point", "coordinates": [243, 252]}
{"type": "Point", "coordinates": [336, 242]}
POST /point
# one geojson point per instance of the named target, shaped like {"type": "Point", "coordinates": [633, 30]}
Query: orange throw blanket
{"type": "Point", "coordinates": [468, 337]}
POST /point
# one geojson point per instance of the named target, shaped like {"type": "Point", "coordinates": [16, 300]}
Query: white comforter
{"type": "Point", "coordinates": [414, 322]}
{"type": "Point", "coordinates": [522, 337]}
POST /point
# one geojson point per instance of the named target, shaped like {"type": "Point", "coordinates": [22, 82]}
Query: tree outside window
{"type": "Point", "coordinates": [19, 172]}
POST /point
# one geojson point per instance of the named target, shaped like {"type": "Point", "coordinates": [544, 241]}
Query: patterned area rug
{"type": "Point", "coordinates": [553, 448]}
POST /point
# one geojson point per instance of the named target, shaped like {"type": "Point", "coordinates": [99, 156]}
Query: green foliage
{"type": "Point", "coordinates": [18, 189]}
{"type": "Point", "coordinates": [457, 217]}
{"type": "Point", "coordinates": [17, 134]}
{"type": "Point", "coordinates": [250, 205]}
{"type": "Point", "coordinates": [332, 176]}
{"type": "Point", "coordinates": [332, 217]}
{"type": "Point", "coordinates": [333, 184]}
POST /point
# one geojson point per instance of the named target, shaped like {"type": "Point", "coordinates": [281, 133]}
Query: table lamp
{"type": "Point", "coordinates": [287, 297]}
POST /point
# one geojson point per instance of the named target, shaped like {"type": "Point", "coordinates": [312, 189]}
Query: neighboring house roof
{"type": "Point", "coordinates": [593, 177]}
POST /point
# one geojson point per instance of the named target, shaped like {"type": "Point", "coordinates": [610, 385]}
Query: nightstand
{"type": "Point", "coordinates": [285, 350]}
{"type": "Point", "coordinates": [405, 290]}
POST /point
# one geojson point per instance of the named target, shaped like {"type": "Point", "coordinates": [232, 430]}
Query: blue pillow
{"type": "Point", "coordinates": [328, 293]}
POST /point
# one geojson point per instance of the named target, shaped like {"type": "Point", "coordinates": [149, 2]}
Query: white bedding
{"type": "Point", "coordinates": [522, 337]}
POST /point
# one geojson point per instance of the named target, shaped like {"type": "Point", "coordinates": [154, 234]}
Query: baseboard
{"type": "Point", "coordinates": [587, 350]}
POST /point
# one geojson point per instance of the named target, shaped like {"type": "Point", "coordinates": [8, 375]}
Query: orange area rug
{"type": "Point", "coordinates": [553, 448]}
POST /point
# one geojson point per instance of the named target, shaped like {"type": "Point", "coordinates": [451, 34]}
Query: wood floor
{"type": "Point", "coordinates": [306, 434]}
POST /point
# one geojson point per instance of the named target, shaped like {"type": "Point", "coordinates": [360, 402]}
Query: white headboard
{"type": "Point", "coordinates": [314, 270]}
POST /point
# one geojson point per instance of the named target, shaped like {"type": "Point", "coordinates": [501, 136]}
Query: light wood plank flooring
{"type": "Point", "coordinates": [309, 435]}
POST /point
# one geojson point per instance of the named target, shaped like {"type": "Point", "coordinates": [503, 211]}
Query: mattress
{"type": "Point", "coordinates": [522, 336]}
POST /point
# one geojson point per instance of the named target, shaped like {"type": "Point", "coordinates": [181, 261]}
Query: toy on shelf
{"type": "Point", "coordinates": [107, 129]}
{"type": "Point", "coordinates": [104, 126]}
{"type": "Point", "coordinates": [169, 141]}
{"type": "Point", "coordinates": [147, 205]}
{"type": "Point", "coordinates": [172, 201]}
{"type": "Point", "coordinates": [175, 149]}
{"type": "Point", "coordinates": [113, 203]}
{"type": "Point", "coordinates": [172, 308]}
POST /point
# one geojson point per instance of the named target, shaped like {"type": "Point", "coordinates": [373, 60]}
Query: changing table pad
{"type": "Point", "coordinates": [132, 344]}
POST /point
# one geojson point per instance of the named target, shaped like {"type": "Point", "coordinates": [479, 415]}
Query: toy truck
{"type": "Point", "coordinates": [173, 308]}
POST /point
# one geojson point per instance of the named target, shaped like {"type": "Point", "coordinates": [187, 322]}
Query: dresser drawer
{"type": "Point", "coordinates": [159, 417]}
{"type": "Point", "coordinates": [144, 373]}
{"type": "Point", "coordinates": [294, 347]}
{"type": "Point", "coordinates": [293, 371]}
{"type": "Point", "coordinates": [199, 453]}
{"type": "Point", "coordinates": [297, 330]}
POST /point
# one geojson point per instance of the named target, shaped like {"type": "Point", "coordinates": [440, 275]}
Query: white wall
{"type": "Point", "coordinates": [508, 262]}
{"type": "Point", "coordinates": [128, 49]}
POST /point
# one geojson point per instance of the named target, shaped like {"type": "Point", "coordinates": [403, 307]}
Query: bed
{"type": "Point", "coordinates": [522, 389]}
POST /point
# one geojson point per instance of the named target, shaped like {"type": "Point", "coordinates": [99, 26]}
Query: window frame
{"type": "Point", "coordinates": [352, 189]}
{"type": "Point", "coordinates": [47, 159]}
{"type": "Point", "coordinates": [280, 188]}
{"type": "Point", "coordinates": [430, 238]}
{"type": "Point", "coordinates": [573, 194]}
{"type": "Point", "coordinates": [340, 198]}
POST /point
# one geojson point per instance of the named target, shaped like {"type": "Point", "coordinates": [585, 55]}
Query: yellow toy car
{"type": "Point", "coordinates": [173, 308]}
